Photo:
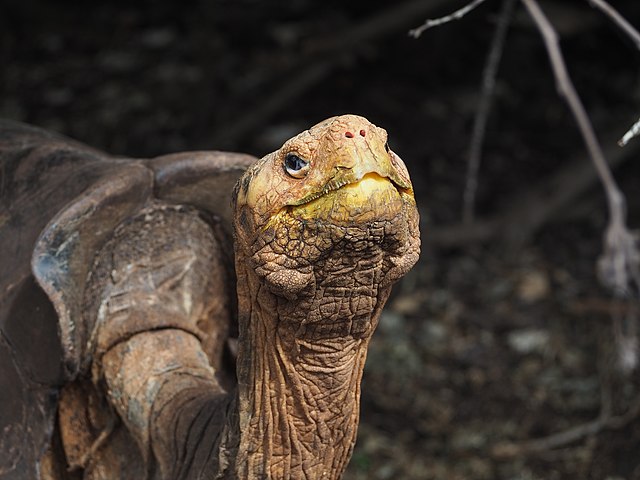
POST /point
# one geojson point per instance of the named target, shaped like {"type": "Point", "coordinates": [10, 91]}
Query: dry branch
{"type": "Point", "coordinates": [567, 90]}
{"type": "Point", "coordinates": [391, 20]}
{"type": "Point", "coordinates": [484, 107]}
{"type": "Point", "coordinates": [619, 264]}
{"type": "Point", "coordinates": [434, 22]}
{"type": "Point", "coordinates": [618, 19]}
{"type": "Point", "coordinates": [604, 422]}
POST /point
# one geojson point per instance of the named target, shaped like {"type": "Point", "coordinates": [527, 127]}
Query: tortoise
{"type": "Point", "coordinates": [198, 314]}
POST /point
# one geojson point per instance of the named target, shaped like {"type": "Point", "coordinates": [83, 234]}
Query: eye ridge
{"type": "Point", "coordinates": [295, 165]}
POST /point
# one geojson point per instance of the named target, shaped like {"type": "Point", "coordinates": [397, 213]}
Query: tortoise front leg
{"type": "Point", "coordinates": [159, 311]}
{"type": "Point", "coordinates": [165, 391]}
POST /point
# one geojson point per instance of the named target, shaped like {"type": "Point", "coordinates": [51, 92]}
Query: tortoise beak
{"type": "Point", "coordinates": [383, 162]}
{"type": "Point", "coordinates": [366, 184]}
{"type": "Point", "coordinates": [382, 165]}
{"type": "Point", "coordinates": [350, 166]}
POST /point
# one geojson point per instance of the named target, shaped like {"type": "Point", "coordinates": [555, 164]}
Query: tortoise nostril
{"type": "Point", "coordinates": [362, 133]}
{"type": "Point", "coordinates": [348, 134]}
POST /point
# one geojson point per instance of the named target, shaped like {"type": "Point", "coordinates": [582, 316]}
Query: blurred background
{"type": "Point", "coordinates": [501, 335]}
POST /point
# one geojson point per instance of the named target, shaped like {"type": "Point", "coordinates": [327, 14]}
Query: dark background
{"type": "Point", "coordinates": [503, 336]}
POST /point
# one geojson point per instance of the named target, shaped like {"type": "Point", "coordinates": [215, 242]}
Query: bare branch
{"type": "Point", "coordinates": [567, 90]}
{"type": "Point", "coordinates": [634, 131]}
{"type": "Point", "coordinates": [605, 422]}
{"type": "Point", "coordinates": [619, 265]}
{"type": "Point", "coordinates": [484, 107]}
{"type": "Point", "coordinates": [457, 15]}
{"type": "Point", "coordinates": [618, 19]}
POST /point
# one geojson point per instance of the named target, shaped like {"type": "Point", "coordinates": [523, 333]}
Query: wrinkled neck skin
{"type": "Point", "coordinates": [309, 299]}
{"type": "Point", "coordinates": [300, 365]}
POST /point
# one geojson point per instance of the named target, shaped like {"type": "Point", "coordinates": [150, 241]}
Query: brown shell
{"type": "Point", "coordinates": [59, 203]}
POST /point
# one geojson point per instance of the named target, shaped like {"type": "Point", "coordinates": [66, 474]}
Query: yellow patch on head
{"type": "Point", "coordinates": [371, 198]}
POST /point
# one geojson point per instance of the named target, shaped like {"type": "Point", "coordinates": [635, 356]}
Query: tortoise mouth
{"type": "Point", "coordinates": [340, 182]}
{"type": "Point", "coordinates": [370, 198]}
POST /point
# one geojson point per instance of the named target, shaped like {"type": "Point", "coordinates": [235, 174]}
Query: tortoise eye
{"type": "Point", "coordinates": [386, 146]}
{"type": "Point", "coordinates": [295, 166]}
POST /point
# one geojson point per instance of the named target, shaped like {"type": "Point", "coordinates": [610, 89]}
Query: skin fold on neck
{"type": "Point", "coordinates": [299, 381]}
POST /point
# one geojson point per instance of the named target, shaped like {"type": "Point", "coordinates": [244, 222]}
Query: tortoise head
{"type": "Point", "coordinates": [323, 227]}
{"type": "Point", "coordinates": [336, 188]}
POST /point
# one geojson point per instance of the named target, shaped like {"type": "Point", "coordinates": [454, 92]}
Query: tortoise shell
{"type": "Point", "coordinates": [59, 203]}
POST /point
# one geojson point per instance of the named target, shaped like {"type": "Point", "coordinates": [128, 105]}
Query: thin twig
{"type": "Point", "coordinates": [634, 131]}
{"type": "Point", "coordinates": [618, 19]}
{"type": "Point", "coordinates": [509, 450]}
{"type": "Point", "coordinates": [484, 107]}
{"type": "Point", "coordinates": [434, 22]}
{"type": "Point", "coordinates": [634, 35]}
{"type": "Point", "coordinates": [393, 19]}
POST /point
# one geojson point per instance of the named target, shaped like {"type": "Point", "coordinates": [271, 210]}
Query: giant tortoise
{"type": "Point", "coordinates": [195, 315]}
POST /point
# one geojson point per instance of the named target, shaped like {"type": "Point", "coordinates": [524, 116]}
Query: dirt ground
{"type": "Point", "coordinates": [492, 341]}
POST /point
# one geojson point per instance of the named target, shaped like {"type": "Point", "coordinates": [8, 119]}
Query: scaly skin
{"type": "Point", "coordinates": [316, 254]}
{"type": "Point", "coordinates": [313, 277]}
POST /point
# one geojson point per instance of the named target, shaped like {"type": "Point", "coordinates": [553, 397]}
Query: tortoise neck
{"type": "Point", "coordinates": [298, 395]}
